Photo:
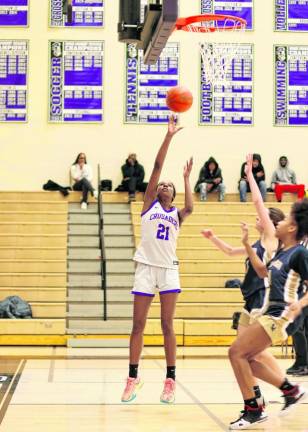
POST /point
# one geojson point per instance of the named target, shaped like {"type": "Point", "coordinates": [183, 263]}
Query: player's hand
{"type": "Point", "coordinates": [294, 309]}
{"type": "Point", "coordinates": [172, 127]}
{"type": "Point", "coordinates": [245, 233]}
{"type": "Point", "coordinates": [208, 233]}
{"type": "Point", "coordinates": [248, 166]}
{"type": "Point", "coordinates": [187, 168]}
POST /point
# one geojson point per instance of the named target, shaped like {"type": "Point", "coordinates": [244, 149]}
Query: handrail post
{"type": "Point", "coordinates": [102, 243]}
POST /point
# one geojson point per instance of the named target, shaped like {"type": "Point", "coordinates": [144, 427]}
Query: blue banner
{"type": "Point", "coordinates": [291, 15]}
{"type": "Point", "coordinates": [76, 81]}
{"type": "Point", "coordinates": [230, 102]}
{"type": "Point", "coordinates": [242, 9]}
{"type": "Point", "coordinates": [291, 85]}
{"type": "Point", "coordinates": [77, 13]}
{"type": "Point", "coordinates": [13, 80]}
{"type": "Point", "coordinates": [147, 86]}
{"type": "Point", "coordinates": [14, 13]}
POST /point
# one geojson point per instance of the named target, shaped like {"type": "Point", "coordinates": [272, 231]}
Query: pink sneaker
{"type": "Point", "coordinates": [130, 392]}
{"type": "Point", "coordinates": [168, 394]}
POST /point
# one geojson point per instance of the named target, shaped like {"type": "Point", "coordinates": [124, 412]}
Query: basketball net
{"type": "Point", "coordinates": [217, 58]}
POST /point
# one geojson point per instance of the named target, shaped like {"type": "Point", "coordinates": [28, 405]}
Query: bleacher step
{"type": "Point", "coordinates": [115, 342]}
{"type": "Point", "coordinates": [83, 241]}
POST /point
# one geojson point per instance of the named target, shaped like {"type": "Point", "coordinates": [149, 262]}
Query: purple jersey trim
{"type": "Point", "coordinates": [155, 202]}
{"type": "Point", "coordinates": [142, 294]}
{"type": "Point", "coordinates": [170, 291]}
{"type": "Point", "coordinates": [152, 205]}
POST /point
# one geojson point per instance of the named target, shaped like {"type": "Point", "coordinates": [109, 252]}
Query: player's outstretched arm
{"type": "Point", "coordinates": [257, 264]}
{"type": "Point", "coordinates": [223, 246]}
{"type": "Point", "coordinates": [189, 204]}
{"type": "Point", "coordinates": [268, 226]}
{"type": "Point", "coordinates": [150, 192]}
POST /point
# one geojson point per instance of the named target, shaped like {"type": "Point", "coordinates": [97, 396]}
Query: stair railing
{"type": "Point", "coordinates": [102, 243]}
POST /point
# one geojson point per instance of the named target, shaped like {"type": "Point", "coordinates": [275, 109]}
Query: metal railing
{"type": "Point", "coordinates": [102, 243]}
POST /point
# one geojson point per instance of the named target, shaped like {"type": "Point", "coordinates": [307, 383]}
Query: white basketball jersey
{"type": "Point", "coordinates": [159, 233]}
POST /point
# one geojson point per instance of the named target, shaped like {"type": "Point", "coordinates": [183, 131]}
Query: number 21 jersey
{"type": "Point", "coordinates": [159, 233]}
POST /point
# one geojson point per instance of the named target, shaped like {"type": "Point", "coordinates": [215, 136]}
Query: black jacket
{"type": "Point", "coordinates": [136, 170]}
{"type": "Point", "coordinates": [206, 176]}
{"type": "Point", "coordinates": [254, 170]}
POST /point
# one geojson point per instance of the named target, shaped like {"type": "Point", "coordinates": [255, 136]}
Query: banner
{"type": "Point", "coordinates": [242, 9]}
{"type": "Point", "coordinates": [291, 85]}
{"type": "Point", "coordinates": [291, 15]}
{"type": "Point", "coordinates": [147, 86]}
{"type": "Point", "coordinates": [76, 13]}
{"type": "Point", "coordinates": [232, 103]}
{"type": "Point", "coordinates": [76, 81]}
{"type": "Point", "coordinates": [13, 80]}
{"type": "Point", "coordinates": [14, 13]}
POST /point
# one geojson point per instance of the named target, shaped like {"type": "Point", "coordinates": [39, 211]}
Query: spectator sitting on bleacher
{"type": "Point", "coordinates": [284, 180]}
{"type": "Point", "coordinates": [133, 175]}
{"type": "Point", "coordinates": [210, 180]}
{"type": "Point", "coordinates": [82, 175]}
{"type": "Point", "coordinates": [259, 176]}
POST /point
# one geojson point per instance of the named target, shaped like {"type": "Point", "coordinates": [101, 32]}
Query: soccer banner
{"type": "Point", "coordinates": [241, 9]}
{"type": "Point", "coordinates": [291, 15]}
{"type": "Point", "coordinates": [291, 85]}
{"type": "Point", "coordinates": [76, 81]}
{"type": "Point", "coordinates": [147, 86]}
{"type": "Point", "coordinates": [13, 80]}
{"type": "Point", "coordinates": [14, 13]}
{"type": "Point", "coordinates": [229, 103]}
{"type": "Point", "coordinates": [76, 13]}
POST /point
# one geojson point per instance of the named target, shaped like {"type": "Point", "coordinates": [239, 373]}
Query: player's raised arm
{"type": "Point", "coordinates": [150, 193]}
{"type": "Point", "coordinates": [189, 204]}
{"type": "Point", "coordinates": [223, 246]}
{"type": "Point", "coordinates": [266, 222]}
{"type": "Point", "coordinates": [258, 265]}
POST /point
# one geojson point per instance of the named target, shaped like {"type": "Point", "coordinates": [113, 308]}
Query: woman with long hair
{"type": "Point", "coordinates": [82, 175]}
{"type": "Point", "coordinates": [157, 266]}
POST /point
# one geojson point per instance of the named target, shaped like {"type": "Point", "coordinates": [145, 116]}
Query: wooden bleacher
{"type": "Point", "coordinates": [205, 307]}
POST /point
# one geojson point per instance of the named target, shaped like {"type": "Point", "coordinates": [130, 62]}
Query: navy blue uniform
{"type": "Point", "coordinates": [253, 288]}
{"type": "Point", "coordinates": [288, 271]}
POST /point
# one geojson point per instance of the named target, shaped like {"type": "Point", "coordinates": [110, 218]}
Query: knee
{"type": "Point", "coordinates": [234, 352]}
{"type": "Point", "coordinates": [138, 327]}
{"type": "Point", "coordinates": [167, 327]}
{"type": "Point", "coordinates": [221, 187]}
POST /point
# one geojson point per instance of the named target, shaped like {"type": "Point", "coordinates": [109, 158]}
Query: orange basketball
{"type": "Point", "coordinates": [179, 99]}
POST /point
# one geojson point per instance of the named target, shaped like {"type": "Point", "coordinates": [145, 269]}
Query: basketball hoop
{"type": "Point", "coordinates": [216, 58]}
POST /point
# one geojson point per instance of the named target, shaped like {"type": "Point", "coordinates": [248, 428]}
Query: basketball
{"type": "Point", "coordinates": [179, 99]}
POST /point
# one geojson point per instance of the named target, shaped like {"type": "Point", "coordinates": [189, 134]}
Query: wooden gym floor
{"type": "Point", "coordinates": [80, 390]}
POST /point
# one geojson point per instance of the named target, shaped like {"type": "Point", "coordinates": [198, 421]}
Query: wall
{"type": "Point", "coordinates": [33, 152]}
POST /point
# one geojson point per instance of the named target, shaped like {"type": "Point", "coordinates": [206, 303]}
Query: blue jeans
{"type": "Point", "coordinates": [244, 187]}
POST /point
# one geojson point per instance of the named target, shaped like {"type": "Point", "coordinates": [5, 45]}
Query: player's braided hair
{"type": "Point", "coordinates": [299, 213]}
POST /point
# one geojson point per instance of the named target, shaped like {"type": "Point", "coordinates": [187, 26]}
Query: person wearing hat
{"type": "Point", "coordinates": [284, 180]}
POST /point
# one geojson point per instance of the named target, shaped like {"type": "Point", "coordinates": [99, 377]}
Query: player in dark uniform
{"type": "Point", "coordinates": [253, 287]}
{"type": "Point", "coordinates": [288, 276]}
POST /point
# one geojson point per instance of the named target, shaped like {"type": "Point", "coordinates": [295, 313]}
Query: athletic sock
{"type": "Point", "coordinates": [133, 370]}
{"type": "Point", "coordinates": [251, 403]}
{"type": "Point", "coordinates": [257, 391]}
{"type": "Point", "coordinates": [171, 372]}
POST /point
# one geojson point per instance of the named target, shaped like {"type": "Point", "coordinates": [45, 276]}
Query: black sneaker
{"type": "Point", "coordinates": [294, 369]}
{"type": "Point", "coordinates": [248, 419]}
{"type": "Point", "coordinates": [302, 372]}
{"type": "Point", "coordinates": [292, 398]}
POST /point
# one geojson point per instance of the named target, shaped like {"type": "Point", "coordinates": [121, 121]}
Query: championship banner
{"type": "Point", "coordinates": [147, 86]}
{"type": "Point", "coordinates": [14, 13]}
{"type": "Point", "coordinates": [13, 80]}
{"type": "Point", "coordinates": [231, 103]}
{"type": "Point", "coordinates": [76, 13]}
{"type": "Point", "coordinates": [291, 85]}
{"type": "Point", "coordinates": [242, 9]}
{"type": "Point", "coordinates": [291, 15]}
{"type": "Point", "coordinates": [76, 81]}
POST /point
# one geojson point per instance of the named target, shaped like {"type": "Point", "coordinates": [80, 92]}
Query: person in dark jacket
{"type": "Point", "coordinates": [210, 180]}
{"type": "Point", "coordinates": [259, 175]}
{"type": "Point", "coordinates": [133, 175]}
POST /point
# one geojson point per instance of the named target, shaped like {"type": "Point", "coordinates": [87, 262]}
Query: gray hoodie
{"type": "Point", "coordinates": [284, 175]}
